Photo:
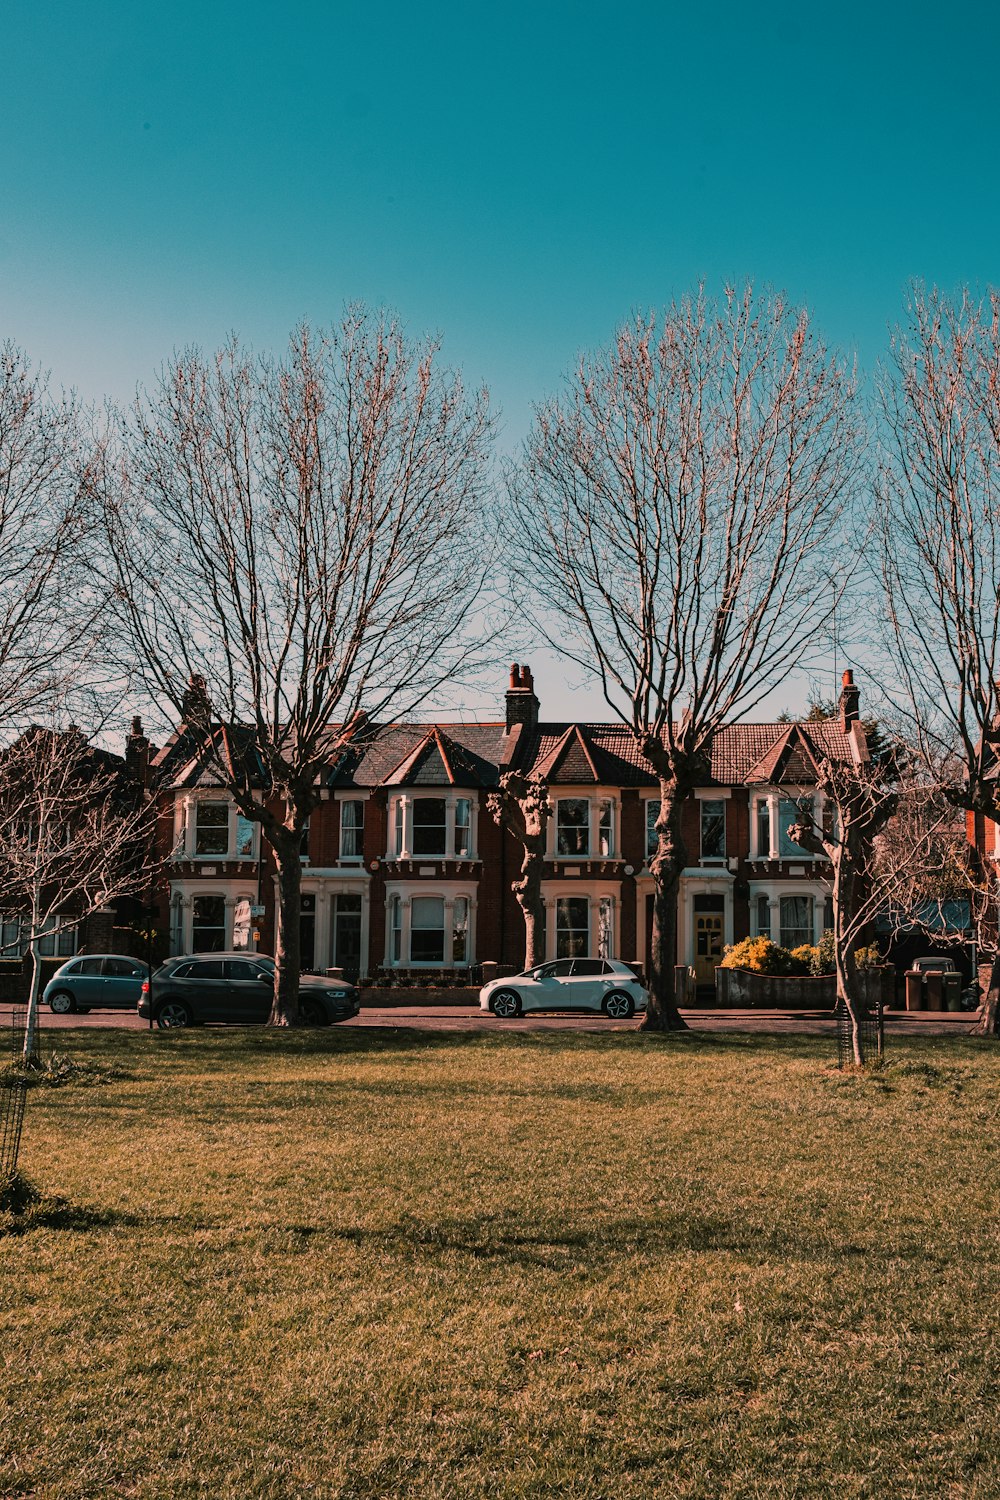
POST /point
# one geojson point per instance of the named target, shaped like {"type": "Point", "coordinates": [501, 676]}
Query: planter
{"type": "Point", "coordinates": [740, 989]}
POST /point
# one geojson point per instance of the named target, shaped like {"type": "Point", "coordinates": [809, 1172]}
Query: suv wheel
{"type": "Point", "coordinates": [173, 1013]}
{"type": "Point", "coordinates": [312, 1012]}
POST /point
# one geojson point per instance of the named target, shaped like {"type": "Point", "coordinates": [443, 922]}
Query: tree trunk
{"type": "Point", "coordinates": [32, 1052]}
{"type": "Point", "coordinates": [663, 1013]}
{"type": "Point", "coordinates": [528, 890]}
{"type": "Point", "coordinates": [989, 1019]}
{"type": "Point", "coordinates": [288, 939]}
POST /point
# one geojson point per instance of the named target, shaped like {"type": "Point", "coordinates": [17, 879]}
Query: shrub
{"type": "Point", "coordinates": [759, 955]}
{"type": "Point", "coordinates": [868, 958]}
{"type": "Point", "coordinates": [823, 960]}
{"type": "Point", "coordinates": [803, 958]}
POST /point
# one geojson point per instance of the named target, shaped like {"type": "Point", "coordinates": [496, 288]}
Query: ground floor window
{"type": "Point", "coordinates": [57, 939]}
{"type": "Point", "coordinates": [572, 926]}
{"type": "Point", "coordinates": [428, 930]}
{"type": "Point", "coordinates": [796, 921]}
{"type": "Point", "coordinates": [208, 924]}
{"type": "Point", "coordinates": [761, 926]}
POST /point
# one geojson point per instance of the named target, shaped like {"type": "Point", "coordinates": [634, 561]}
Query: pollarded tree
{"type": "Point", "coordinates": [676, 512]}
{"type": "Point", "coordinates": [522, 806]}
{"type": "Point", "coordinates": [939, 515]}
{"type": "Point", "coordinates": [302, 539]}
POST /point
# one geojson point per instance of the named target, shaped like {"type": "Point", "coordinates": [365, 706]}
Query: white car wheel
{"type": "Point", "coordinates": [618, 1006]}
{"type": "Point", "coordinates": [506, 1004]}
{"type": "Point", "coordinates": [62, 1003]}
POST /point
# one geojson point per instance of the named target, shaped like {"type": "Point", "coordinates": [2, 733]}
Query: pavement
{"type": "Point", "coordinates": [471, 1018]}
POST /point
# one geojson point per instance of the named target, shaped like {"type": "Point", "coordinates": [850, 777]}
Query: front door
{"type": "Point", "coordinates": [347, 935]}
{"type": "Point", "coordinates": [707, 946]}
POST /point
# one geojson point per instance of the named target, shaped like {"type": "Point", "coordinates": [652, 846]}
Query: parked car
{"type": "Point", "coordinates": [96, 981]}
{"type": "Point", "coordinates": [237, 988]}
{"type": "Point", "coordinates": [600, 984]}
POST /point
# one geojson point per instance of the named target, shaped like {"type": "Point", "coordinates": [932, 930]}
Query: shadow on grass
{"type": "Point", "coordinates": [671, 1233]}
{"type": "Point", "coordinates": [24, 1207]}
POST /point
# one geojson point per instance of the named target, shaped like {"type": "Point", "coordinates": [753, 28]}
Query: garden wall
{"type": "Point", "coordinates": [738, 989]}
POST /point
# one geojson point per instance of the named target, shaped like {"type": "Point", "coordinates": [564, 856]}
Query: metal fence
{"type": "Point", "coordinates": [13, 1093]}
{"type": "Point", "coordinates": [872, 1034]}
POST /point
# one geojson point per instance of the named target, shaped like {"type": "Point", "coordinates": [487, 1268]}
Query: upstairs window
{"type": "Point", "coordinates": [211, 828]}
{"type": "Point", "coordinates": [713, 829]}
{"type": "Point", "coordinates": [763, 828]}
{"type": "Point", "coordinates": [573, 826]}
{"type": "Point", "coordinates": [652, 837]}
{"type": "Point", "coordinates": [429, 820]}
{"type": "Point", "coordinates": [463, 828]}
{"type": "Point", "coordinates": [352, 829]}
{"type": "Point", "coordinates": [606, 829]}
{"type": "Point", "coordinates": [790, 810]}
{"type": "Point", "coordinates": [245, 833]}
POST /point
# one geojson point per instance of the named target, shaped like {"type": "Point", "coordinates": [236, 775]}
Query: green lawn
{"type": "Point", "coordinates": [354, 1263]}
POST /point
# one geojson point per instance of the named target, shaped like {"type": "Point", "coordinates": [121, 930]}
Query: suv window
{"type": "Point", "coordinates": [239, 968]}
{"type": "Point", "coordinates": [204, 971]}
{"type": "Point", "coordinates": [122, 968]}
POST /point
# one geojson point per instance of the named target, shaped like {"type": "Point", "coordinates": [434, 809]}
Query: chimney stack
{"type": "Point", "coordinates": [137, 752]}
{"type": "Point", "coordinates": [522, 705]}
{"type": "Point", "coordinates": [850, 698]}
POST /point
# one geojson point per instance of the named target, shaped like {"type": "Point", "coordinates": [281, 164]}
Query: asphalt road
{"type": "Point", "coordinates": [471, 1018]}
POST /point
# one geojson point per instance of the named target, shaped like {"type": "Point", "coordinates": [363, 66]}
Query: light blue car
{"type": "Point", "coordinates": [96, 981]}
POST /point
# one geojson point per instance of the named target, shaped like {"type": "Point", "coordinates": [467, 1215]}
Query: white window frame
{"type": "Point", "coordinates": [186, 829]}
{"type": "Point", "coordinates": [182, 894]}
{"type": "Point", "coordinates": [351, 859]}
{"type": "Point", "coordinates": [399, 823]}
{"type": "Point", "coordinates": [596, 799]}
{"type": "Point", "coordinates": [774, 796]}
{"type": "Point", "coordinates": [596, 893]}
{"type": "Point", "coordinates": [452, 894]}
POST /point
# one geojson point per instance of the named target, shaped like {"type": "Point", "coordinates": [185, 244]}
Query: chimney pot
{"type": "Point", "coordinates": [515, 675]}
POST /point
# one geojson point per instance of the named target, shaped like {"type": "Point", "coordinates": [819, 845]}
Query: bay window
{"type": "Point", "coordinates": [245, 831]}
{"type": "Point", "coordinates": [796, 914]}
{"type": "Point", "coordinates": [763, 828]}
{"type": "Point", "coordinates": [790, 810]}
{"type": "Point", "coordinates": [427, 930]}
{"type": "Point", "coordinates": [211, 828]}
{"type": "Point", "coordinates": [606, 829]}
{"type": "Point", "coordinates": [208, 924]}
{"type": "Point", "coordinates": [441, 827]}
{"type": "Point", "coordinates": [652, 837]}
{"type": "Point", "coordinates": [572, 926]}
{"type": "Point", "coordinates": [761, 914]}
{"type": "Point", "coordinates": [573, 828]}
{"type": "Point", "coordinates": [429, 826]}
{"type": "Point", "coordinates": [463, 828]}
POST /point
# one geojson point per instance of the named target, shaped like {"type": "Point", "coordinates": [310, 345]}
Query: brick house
{"type": "Point", "coordinates": [405, 869]}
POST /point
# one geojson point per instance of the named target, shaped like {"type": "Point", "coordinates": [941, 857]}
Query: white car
{"type": "Point", "coordinates": [568, 984]}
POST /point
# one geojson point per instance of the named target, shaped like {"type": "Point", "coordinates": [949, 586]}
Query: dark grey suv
{"type": "Point", "coordinates": [237, 988]}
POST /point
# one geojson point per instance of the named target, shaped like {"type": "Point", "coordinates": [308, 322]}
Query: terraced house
{"type": "Point", "coordinates": [406, 870]}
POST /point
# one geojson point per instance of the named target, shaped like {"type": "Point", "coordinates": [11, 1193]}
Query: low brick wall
{"type": "Point", "coordinates": [403, 995]}
{"type": "Point", "coordinates": [739, 989]}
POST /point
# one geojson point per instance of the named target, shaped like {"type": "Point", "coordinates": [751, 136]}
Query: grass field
{"type": "Point", "coordinates": [359, 1263]}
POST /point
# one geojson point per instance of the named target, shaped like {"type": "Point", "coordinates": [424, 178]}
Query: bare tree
{"type": "Point", "coordinates": [302, 540]}
{"type": "Point", "coordinates": [75, 835]}
{"type": "Point", "coordinates": [939, 509]}
{"type": "Point", "coordinates": [522, 806]}
{"type": "Point", "coordinates": [889, 839]}
{"type": "Point", "coordinates": [45, 613]}
{"type": "Point", "coordinates": [676, 511]}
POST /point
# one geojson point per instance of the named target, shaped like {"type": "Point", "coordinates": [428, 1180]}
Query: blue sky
{"type": "Point", "coordinates": [517, 178]}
